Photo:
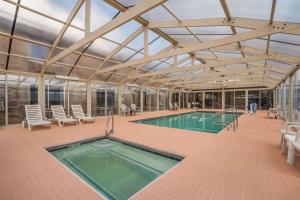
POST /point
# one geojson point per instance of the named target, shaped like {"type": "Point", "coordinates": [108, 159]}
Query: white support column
{"type": "Point", "coordinates": [142, 100]}
{"type": "Point", "coordinates": [6, 101]}
{"type": "Point", "coordinates": [89, 98]}
{"type": "Point", "coordinates": [87, 17]}
{"type": "Point", "coordinates": [186, 99]}
{"type": "Point", "coordinates": [179, 100]}
{"type": "Point", "coordinates": [105, 101]}
{"type": "Point", "coordinates": [203, 100]}
{"type": "Point", "coordinates": [119, 97]}
{"type": "Point", "coordinates": [223, 99]}
{"type": "Point", "coordinates": [41, 93]}
{"type": "Point", "coordinates": [146, 49]}
{"type": "Point", "coordinates": [290, 99]}
{"type": "Point", "coordinates": [157, 100]}
{"type": "Point", "coordinates": [246, 99]}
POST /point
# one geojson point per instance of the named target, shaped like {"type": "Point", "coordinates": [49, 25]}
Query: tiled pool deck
{"type": "Point", "coordinates": [242, 165]}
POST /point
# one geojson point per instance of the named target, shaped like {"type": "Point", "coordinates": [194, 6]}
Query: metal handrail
{"type": "Point", "coordinates": [234, 112]}
{"type": "Point", "coordinates": [110, 116]}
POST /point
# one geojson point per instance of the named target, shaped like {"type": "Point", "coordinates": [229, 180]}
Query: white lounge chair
{"type": "Point", "coordinates": [176, 106]}
{"type": "Point", "coordinates": [272, 113]}
{"type": "Point", "coordinates": [293, 143]}
{"type": "Point", "coordinates": [59, 115]}
{"type": "Point", "coordinates": [124, 110]}
{"type": "Point", "coordinates": [133, 109]}
{"type": "Point", "coordinates": [34, 117]}
{"type": "Point", "coordinates": [79, 114]}
{"type": "Point", "coordinates": [171, 107]}
{"type": "Point", "coordinates": [287, 130]}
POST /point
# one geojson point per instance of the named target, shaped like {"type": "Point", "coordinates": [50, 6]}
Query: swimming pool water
{"type": "Point", "coordinates": [114, 169]}
{"type": "Point", "coordinates": [196, 121]}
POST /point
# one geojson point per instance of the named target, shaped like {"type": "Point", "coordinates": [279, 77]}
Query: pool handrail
{"type": "Point", "coordinates": [234, 123]}
{"type": "Point", "coordinates": [110, 116]}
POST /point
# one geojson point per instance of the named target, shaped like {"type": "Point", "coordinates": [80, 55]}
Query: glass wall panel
{"type": "Point", "coordinates": [55, 94]}
{"type": "Point", "coordinates": [146, 101]}
{"type": "Point", "coordinates": [98, 99]}
{"type": "Point", "coordinates": [296, 97]}
{"type": "Point", "coordinates": [112, 98]}
{"type": "Point", "coordinates": [163, 100]}
{"type": "Point", "coordinates": [126, 96]}
{"type": "Point", "coordinates": [182, 100]}
{"type": "Point", "coordinates": [153, 100]}
{"type": "Point", "coordinates": [135, 96]}
{"type": "Point", "coordinates": [229, 99]}
{"type": "Point", "coordinates": [198, 99]}
{"type": "Point", "coordinates": [254, 97]}
{"type": "Point", "coordinates": [77, 95]}
{"type": "Point", "coordinates": [266, 101]}
{"type": "Point", "coordinates": [175, 98]}
{"type": "Point", "coordinates": [240, 100]}
{"type": "Point", "coordinates": [213, 100]}
{"type": "Point", "coordinates": [22, 90]}
{"type": "Point", "coordinates": [2, 99]}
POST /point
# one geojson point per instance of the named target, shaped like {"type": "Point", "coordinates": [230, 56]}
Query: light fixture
{"type": "Point", "coordinates": [73, 78]}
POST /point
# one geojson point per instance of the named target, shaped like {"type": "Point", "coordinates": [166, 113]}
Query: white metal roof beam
{"type": "Point", "coordinates": [142, 7]}
{"type": "Point", "coordinates": [262, 31]}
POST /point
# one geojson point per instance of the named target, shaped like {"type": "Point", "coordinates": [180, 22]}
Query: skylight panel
{"type": "Point", "coordinates": [287, 11]}
{"type": "Point", "coordinates": [123, 32]}
{"type": "Point", "coordinates": [29, 49]}
{"type": "Point", "coordinates": [58, 8]}
{"type": "Point", "coordinates": [195, 9]}
{"type": "Point", "coordinates": [7, 12]}
{"type": "Point", "coordinates": [36, 27]}
{"type": "Point", "coordinates": [175, 31]}
{"type": "Point", "coordinates": [185, 38]}
{"type": "Point", "coordinates": [158, 14]}
{"type": "Point", "coordinates": [214, 30]}
{"type": "Point", "coordinates": [101, 13]}
{"type": "Point", "coordinates": [158, 45]}
{"type": "Point", "coordinates": [101, 47]}
{"type": "Point", "coordinates": [257, 9]}
{"type": "Point", "coordinates": [293, 50]}
{"type": "Point", "coordinates": [124, 54]}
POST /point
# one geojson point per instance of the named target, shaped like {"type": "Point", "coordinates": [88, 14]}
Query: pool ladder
{"type": "Point", "coordinates": [110, 118]}
{"type": "Point", "coordinates": [235, 123]}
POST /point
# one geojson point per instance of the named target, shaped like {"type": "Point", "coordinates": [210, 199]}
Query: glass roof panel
{"type": "Point", "coordinates": [4, 42]}
{"type": "Point", "coordinates": [287, 10]}
{"type": "Point", "coordinates": [226, 54]}
{"type": "Point", "coordinates": [158, 45]}
{"type": "Point", "coordinates": [36, 27]}
{"type": "Point", "coordinates": [258, 9]}
{"type": "Point", "coordinates": [56, 68]}
{"type": "Point", "coordinates": [101, 13]}
{"type": "Point", "coordinates": [205, 38]}
{"type": "Point", "coordinates": [287, 38]}
{"type": "Point", "coordinates": [101, 47]}
{"type": "Point", "coordinates": [58, 8]}
{"type": "Point", "coordinates": [278, 64]}
{"type": "Point", "coordinates": [138, 42]}
{"type": "Point", "coordinates": [211, 30]}
{"type": "Point", "coordinates": [121, 33]}
{"type": "Point", "coordinates": [185, 38]}
{"type": "Point", "coordinates": [293, 50]}
{"type": "Point", "coordinates": [158, 14]}
{"type": "Point", "coordinates": [24, 64]}
{"type": "Point", "coordinates": [7, 12]}
{"type": "Point", "coordinates": [87, 61]}
{"type": "Point", "coordinates": [256, 43]}
{"type": "Point", "coordinates": [124, 54]}
{"type": "Point", "coordinates": [71, 36]}
{"type": "Point", "coordinates": [29, 49]}
{"type": "Point", "coordinates": [175, 31]}
{"type": "Point", "coordinates": [79, 19]}
{"type": "Point", "coordinates": [82, 73]}
{"type": "Point", "coordinates": [191, 9]}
